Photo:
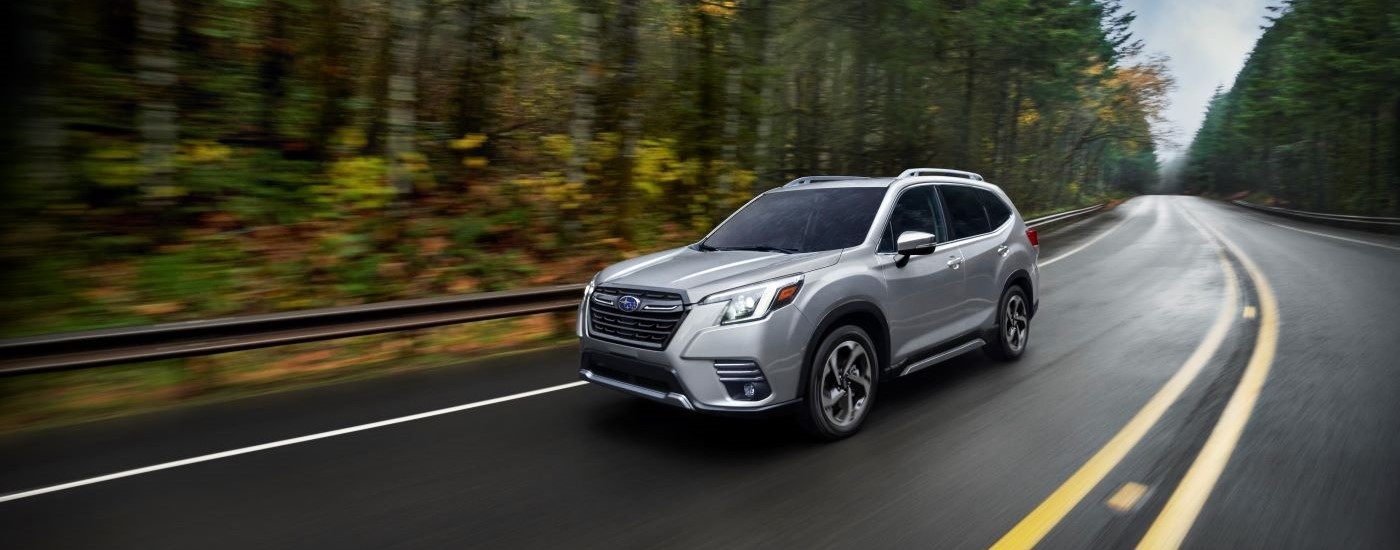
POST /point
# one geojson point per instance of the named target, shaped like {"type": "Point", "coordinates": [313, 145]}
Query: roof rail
{"type": "Point", "coordinates": [912, 172]}
{"type": "Point", "coordinates": [804, 180]}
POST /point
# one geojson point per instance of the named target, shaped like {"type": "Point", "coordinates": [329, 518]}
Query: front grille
{"type": "Point", "coordinates": [650, 326]}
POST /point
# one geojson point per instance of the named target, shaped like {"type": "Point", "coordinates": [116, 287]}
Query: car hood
{"type": "Point", "coordinates": [697, 274]}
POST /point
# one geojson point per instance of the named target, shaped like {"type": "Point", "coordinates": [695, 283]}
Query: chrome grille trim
{"type": "Point", "coordinates": [650, 326]}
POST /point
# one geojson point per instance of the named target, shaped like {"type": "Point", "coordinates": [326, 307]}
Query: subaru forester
{"type": "Point", "coordinates": [810, 294]}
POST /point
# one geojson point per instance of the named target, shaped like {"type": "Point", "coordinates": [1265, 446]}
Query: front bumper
{"type": "Point", "coordinates": [684, 374]}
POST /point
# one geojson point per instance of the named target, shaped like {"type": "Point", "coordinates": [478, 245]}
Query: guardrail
{"type": "Point", "coordinates": [96, 348]}
{"type": "Point", "coordinates": [1053, 219]}
{"type": "Point", "coordinates": [1341, 220]}
{"type": "Point", "coordinates": [104, 347]}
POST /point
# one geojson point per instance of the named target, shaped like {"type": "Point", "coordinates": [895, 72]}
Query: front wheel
{"type": "Point", "coordinates": [841, 384]}
{"type": "Point", "coordinates": [1009, 339]}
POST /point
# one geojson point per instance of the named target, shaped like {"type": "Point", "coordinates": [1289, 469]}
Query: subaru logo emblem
{"type": "Point", "coordinates": [628, 303]}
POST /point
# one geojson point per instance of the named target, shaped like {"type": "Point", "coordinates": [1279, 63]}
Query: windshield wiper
{"type": "Point", "coordinates": [755, 248]}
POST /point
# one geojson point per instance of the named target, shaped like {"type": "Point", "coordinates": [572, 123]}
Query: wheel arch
{"type": "Point", "coordinates": [861, 313]}
{"type": "Point", "coordinates": [1022, 279]}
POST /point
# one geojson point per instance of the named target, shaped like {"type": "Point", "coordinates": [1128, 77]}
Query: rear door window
{"type": "Point", "coordinates": [966, 216]}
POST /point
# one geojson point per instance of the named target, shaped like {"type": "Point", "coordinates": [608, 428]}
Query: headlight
{"type": "Point", "coordinates": [754, 302]}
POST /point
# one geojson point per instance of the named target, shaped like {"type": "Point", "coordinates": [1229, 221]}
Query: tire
{"type": "Point", "coordinates": [841, 384]}
{"type": "Point", "coordinates": [1009, 339]}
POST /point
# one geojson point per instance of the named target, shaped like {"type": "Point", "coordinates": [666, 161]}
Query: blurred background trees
{"type": "Point", "coordinates": [1313, 119]}
{"type": "Point", "coordinates": [188, 158]}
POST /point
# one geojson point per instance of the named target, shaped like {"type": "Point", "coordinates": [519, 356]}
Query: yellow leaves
{"type": "Point", "coordinates": [116, 165]}
{"type": "Point", "coordinates": [205, 151]}
{"type": "Point", "coordinates": [1029, 116]}
{"type": "Point", "coordinates": [418, 169]}
{"type": "Point", "coordinates": [656, 162]}
{"type": "Point", "coordinates": [351, 138]}
{"type": "Point", "coordinates": [551, 188]}
{"type": "Point", "coordinates": [358, 183]}
{"type": "Point", "coordinates": [468, 142]}
{"type": "Point", "coordinates": [414, 163]}
{"type": "Point", "coordinates": [723, 9]}
{"type": "Point", "coordinates": [558, 146]}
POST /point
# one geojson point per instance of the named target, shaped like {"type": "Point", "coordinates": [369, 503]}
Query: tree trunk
{"type": "Point", "coordinates": [707, 131]}
{"type": "Point", "coordinates": [333, 77]}
{"type": "Point", "coordinates": [585, 90]}
{"type": "Point", "coordinates": [44, 132]}
{"type": "Point", "coordinates": [762, 146]}
{"type": "Point", "coordinates": [1010, 181]}
{"type": "Point", "coordinates": [628, 19]}
{"type": "Point", "coordinates": [1395, 157]}
{"type": "Point", "coordinates": [964, 149]}
{"type": "Point", "coordinates": [733, 98]}
{"type": "Point", "coordinates": [1373, 159]}
{"type": "Point", "coordinates": [479, 74]}
{"type": "Point", "coordinates": [157, 123]}
{"type": "Point", "coordinates": [998, 120]}
{"type": "Point", "coordinates": [403, 94]}
{"type": "Point", "coordinates": [272, 68]}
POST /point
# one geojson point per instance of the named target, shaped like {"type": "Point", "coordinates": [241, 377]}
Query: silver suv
{"type": "Point", "coordinates": [810, 294]}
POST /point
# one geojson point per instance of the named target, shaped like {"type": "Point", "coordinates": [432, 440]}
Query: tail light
{"type": "Point", "coordinates": [1034, 237]}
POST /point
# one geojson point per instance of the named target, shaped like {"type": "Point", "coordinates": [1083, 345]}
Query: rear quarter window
{"type": "Point", "coordinates": [997, 210]}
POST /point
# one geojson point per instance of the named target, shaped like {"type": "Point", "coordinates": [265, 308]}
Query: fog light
{"type": "Point", "coordinates": [749, 391]}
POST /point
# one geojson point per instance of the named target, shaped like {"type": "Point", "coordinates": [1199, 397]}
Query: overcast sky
{"type": "Point", "coordinates": [1207, 41]}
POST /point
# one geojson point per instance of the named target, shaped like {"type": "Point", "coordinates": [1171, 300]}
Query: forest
{"type": "Point", "coordinates": [170, 160]}
{"type": "Point", "coordinates": [1313, 120]}
{"type": "Point", "coordinates": [189, 158]}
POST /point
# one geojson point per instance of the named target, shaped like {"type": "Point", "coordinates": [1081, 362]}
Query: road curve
{"type": "Point", "coordinates": [953, 457]}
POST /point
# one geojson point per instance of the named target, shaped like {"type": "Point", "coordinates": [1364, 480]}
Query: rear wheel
{"type": "Point", "coordinates": [841, 384]}
{"type": "Point", "coordinates": [1012, 333]}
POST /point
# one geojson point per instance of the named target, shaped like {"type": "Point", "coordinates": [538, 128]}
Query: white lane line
{"type": "Point", "coordinates": [1340, 238]}
{"type": "Point", "coordinates": [1097, 238]}
{"type": "Point", "coordinates": [282, 443]}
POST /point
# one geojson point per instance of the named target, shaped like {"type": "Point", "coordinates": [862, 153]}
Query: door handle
{"type": "Point", "coordinates": [954, 262]}
{"type": "Point", "coordinates": [1003, 249]}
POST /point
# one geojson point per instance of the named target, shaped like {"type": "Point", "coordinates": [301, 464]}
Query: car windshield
{"type": "Point", "coordinates": [806, 220]}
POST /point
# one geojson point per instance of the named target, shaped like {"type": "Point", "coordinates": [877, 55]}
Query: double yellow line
{"type": "Point", "coordinates": [1186, 502]}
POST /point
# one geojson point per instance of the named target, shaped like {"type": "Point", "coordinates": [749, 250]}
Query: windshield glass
{"type": "Point", "coordinates": [807, 220]}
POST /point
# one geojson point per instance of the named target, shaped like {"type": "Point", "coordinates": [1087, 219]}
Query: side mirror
{"type": "Point", "coordinates": [916, 243]}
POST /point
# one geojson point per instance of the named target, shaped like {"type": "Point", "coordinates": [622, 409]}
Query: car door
{"type": "Point", "coordinates": [923, 292]}
{"type": "Point", "coordinates": [977, 238]}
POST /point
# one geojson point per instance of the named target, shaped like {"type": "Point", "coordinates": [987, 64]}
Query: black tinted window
{"type": "Point", "coordinates": [997, 211]}
{"type": "Point", "coordinates": [916, 211]}
{"type": "Point", "coordinates": [965, 213]}
{"type": "Point", "coordinates": [804, 220]}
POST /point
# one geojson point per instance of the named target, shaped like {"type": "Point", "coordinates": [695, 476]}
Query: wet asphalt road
{"type": "Point", "coordinates": [952, 457]}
